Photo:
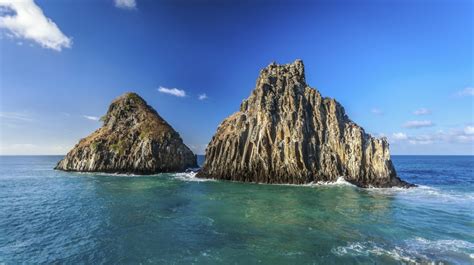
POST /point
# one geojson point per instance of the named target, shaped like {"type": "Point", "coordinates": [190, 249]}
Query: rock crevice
{"type": "Point", "coordinates": [286, 132]}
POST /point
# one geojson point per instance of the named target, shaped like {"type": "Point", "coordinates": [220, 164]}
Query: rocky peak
{"type": "Point", "coordinates": [127, 110]}
{"type": "Point", "coordinates": [286, 132]}
{"type": "Point", "coordinates": [133, 139]}
{"type": "Point", "coordinates": [276, 81]}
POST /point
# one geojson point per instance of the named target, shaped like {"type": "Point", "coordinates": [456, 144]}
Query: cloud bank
{"type": "Point", "coordinates": [172, 91]}
{"type": "Point", "coordinates": [455, 135]}
{"type": "Point", "coordinates": [25, 20]}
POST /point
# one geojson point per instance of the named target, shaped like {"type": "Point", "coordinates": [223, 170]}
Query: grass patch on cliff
{"type": "Point", "coordinates": [94, 146]}
{"type": "Point", "coordinates": [118, 147]}
{"type": "Point", "coordinates": [145, 132]}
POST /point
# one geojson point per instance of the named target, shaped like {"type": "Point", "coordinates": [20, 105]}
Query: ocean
{"type": "Point", "coordinates": [49, 216]}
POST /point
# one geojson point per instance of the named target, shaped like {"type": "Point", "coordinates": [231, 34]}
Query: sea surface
{"type": "Point", "coordinates": [49, 216]}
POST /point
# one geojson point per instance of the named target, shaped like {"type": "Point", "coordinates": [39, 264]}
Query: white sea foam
{"type": "Point", "coordinates": [189, 176]}
{"type": "Point", "coordinates": [455, 245]}
{"type": "Point", "coordinates": [411, 251]}
{"type": "Point", "coordinates": [109, 174]}
{"type": "Point", "coordinates": [370, 248]}
{"type": "Point", "coordinates": [426, 192]}
{"type": "Point", "coordinates": [339, 182]}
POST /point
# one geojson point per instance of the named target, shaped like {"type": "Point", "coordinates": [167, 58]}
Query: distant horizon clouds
{"type": "Point", "coordinates": [172, 91]}
{"type": "Point", "coordinates": [415, 124]}
{"type": "Point", "coordinates": [453, 135]}
{"type": "Point", "coordinates": [26, 20]}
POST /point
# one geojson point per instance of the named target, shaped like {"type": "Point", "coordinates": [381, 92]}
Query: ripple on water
{"type": "Point", "coordinates": [413, 250]}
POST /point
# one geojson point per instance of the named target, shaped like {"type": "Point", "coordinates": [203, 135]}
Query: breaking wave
{"type": "Point", "coordinates": [339, 182]}
{"type": "Point", "coordinates": [413, 251]}
{"type": "Point", "coordinates": [426, 192]}
{"type": "Point", "coordinates": [189, 176]}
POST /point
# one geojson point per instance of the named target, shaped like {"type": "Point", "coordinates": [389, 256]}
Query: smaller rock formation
{"type": "Point", "coordinates": [286, 132]}
{"type": "Point", "coordinates": [134, 139]}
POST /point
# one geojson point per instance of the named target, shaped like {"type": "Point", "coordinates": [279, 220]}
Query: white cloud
{"type": "Point", "coordinates": [92, 118]}
{"type": "Point", "coordinates": [24, 19]}
{"type": "Point", "coordinates": [469, 130]}
{"type": "Point", "coordinates": [468, 91]}
{"type": "Point", "coordinates": [400, 136]}
{"type": "Point", "coordinates": [172, 91]}
{"type": "Point", "coordinates": [376, 111]}
{"type": "Point", "coordinates": [422, 139]}
{"type": "Point", "coordinates": [202, 96]}
{"type": "Point", "coordinates": [422, 111]}
{"type": "Point", "coordinates": [418, 124]}
{"type": "Point", "coordinates": [126, 4]}
{"type": "Point", "coordinates": [452, 136]}
{"type": "Point", "coordinates": [15, 116]}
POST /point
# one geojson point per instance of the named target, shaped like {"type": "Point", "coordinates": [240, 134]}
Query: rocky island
{"type": "Point", "coordinates": [134, 139]}
{"type": "Point", "coordinates": [286, 132]}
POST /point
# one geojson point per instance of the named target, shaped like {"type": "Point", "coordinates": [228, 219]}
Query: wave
{"type": "Point", "coordinates": [426, 192]}
{"type": "Point", "coordinates": [340, 181]}
{"type": "Point", "coordinates": [106, 174]}
{"type": "Point", "coordinates": [189, 176]}
{"type": "Point", "coordinates": [414, 250]}
{"type": "Point", "coordinates": [454, 245]}
{"type": "Point", "coordinates": [370, 248]}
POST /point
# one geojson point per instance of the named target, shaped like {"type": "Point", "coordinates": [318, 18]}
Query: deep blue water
{"type": "Point", "coordinates": [50, 216]}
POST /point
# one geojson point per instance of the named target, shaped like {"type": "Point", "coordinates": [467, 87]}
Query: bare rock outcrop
{"type": "Point", "coordinates": [134, 139]}
{"type": "Point", "coordinates": [286, 132]}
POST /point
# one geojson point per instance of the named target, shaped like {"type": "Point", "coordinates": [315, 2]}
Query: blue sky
{"type": "Point", "coordinates": [401, 69]}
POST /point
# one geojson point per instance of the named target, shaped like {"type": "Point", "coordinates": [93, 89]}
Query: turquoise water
{"type": "Point", "coordinates": [50, 216]}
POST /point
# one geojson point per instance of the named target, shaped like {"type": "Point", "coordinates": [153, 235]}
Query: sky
{"type": "Point", "coordinates": [402, 69]}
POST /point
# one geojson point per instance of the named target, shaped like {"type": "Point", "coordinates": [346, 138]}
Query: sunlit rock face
{"type": "Point", "coordinates": [286, 132]}
{"type": "Point", "coordinates": [134, 139]}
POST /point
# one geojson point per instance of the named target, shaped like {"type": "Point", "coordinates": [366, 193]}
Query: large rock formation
{"type": "Point", "coordinates": [133, 139]}
{"type": "Point", "coordinates": [285, 132]}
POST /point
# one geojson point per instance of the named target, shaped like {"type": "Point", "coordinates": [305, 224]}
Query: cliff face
{"type": "Point", "coordinates": [133, 139]}
{"type": "Point", "coordinates": [286, 132]}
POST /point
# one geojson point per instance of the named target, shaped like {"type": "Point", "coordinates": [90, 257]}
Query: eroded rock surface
{"type": "Point", "coordinates": [133, 139]}
{"type": "Point", "coordinates": [286, 132]}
